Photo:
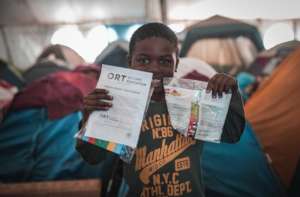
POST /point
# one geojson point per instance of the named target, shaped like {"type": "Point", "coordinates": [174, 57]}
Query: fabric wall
{"type": "Point", "coordinates": [226, 54]}
{"type": "Point", "coordinates": [3, 54]}
{"type": "Point", "coordinates": [26, 43]}
{"type": "Point", "coordinates": [273, 111]}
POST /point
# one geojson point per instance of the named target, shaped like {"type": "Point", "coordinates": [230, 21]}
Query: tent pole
{"type": "Point", "coordinates": [147, 14]}
{"type": "Point", "coordinates": [8, 52]}
{"type": "Point", "coordinates": [163, 9]}
{"type": "Point", "coordinates": [294, 21]}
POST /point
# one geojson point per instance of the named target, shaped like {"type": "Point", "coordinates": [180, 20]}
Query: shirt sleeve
{"type": "Point", "coordinates": [89, 152]}
{"type": "Point", "coordinates": [235, 120]}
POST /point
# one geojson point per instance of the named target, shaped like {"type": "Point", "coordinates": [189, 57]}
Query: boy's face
{"type": "Point", "coordinates": [155, 55]}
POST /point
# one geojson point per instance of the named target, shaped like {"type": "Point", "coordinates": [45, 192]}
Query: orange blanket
{"type": "Point", "coordinates": [274, 112]}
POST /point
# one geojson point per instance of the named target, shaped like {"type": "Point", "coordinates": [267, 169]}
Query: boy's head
{"type": "Point", "coordinates": [153, 48]}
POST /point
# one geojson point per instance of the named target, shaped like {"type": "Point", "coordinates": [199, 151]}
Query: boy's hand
{"type": "Point", "coordinates": [220, 83]}
{"type": "Point", "coordinates": [96, 100]}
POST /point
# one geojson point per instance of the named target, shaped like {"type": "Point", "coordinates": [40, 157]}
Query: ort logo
{"type": "Point", "coordinates": [117, 77]}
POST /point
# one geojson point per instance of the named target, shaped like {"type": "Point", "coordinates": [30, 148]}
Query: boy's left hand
{"type": "Point", "coordinates": [220, 83]}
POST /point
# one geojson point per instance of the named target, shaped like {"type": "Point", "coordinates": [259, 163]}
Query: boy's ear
{"type": "Point", "coordinates": [177, 59]}
{"type": "Point", "coordinates": [129, 60]}
{"type": "Point", "coordinates": [177, 62]}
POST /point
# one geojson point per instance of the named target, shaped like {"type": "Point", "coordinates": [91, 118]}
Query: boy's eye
{"type": "Point", "coordinates": [143, 61]}
{"type": "Point", "coordinates": [165, 62]}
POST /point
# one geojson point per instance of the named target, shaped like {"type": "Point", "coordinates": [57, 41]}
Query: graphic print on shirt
{"type": "Point", "coordinates": [160, 169]}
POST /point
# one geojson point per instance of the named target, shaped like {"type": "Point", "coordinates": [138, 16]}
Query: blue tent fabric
{"type": "Point", "coordinates": [33, 148]}
{"type": "Point", "coordinates": [114, 54]}
{"type": "Point", "coordinates": [7, 74]}
{"type": "Point", "coordinates": [117, 57]}
{"type": "Point", "coordinates": [239, 170]}
{"type": "Point", "coordinates": [294, 190]}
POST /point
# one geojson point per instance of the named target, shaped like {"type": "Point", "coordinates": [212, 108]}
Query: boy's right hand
{"type": "Point", "coordinates": [96, 100]}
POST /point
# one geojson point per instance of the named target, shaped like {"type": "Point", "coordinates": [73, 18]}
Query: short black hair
{"type": "Point", "coordinates": [150, 30]}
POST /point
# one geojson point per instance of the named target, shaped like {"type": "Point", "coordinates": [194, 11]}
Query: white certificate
{"type": "Point", "coordinates": [122, 122]}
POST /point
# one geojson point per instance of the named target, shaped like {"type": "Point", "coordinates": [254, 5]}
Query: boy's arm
{"type": "Point", "coordinates": [235, 120]}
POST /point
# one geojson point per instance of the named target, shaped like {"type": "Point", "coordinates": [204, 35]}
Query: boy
{"type": "Point", "coordinates": [165, 162]}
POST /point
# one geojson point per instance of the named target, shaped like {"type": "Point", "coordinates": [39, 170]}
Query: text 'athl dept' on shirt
{"type": "Point", "coordinates": [165, 163]}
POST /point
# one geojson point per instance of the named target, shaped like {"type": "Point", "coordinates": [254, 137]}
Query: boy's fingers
{"type": "Point", "coordinates": [221, 86]}
{"type": "Point", "coordinates": [233, 85]}
{"type": "Point", "coordinates": [218, 85]}
{"type": "Point", "coordinates": [208, 88]}
{"type": "Point", "coordinates": [95, 108]}
{"type": "Point", "coordinates": [215, 85]}
{"type": "Point", "coordinates": [97, 103]}
{"type": "Point", "coordinates": [210, 85]}
{"type": "Point", "coordinates": [226, 88]}
{"type": "Point", "coordinates": [104, 104]}
{"type": "Point", "coordinates": [100, 91]}
{"type": "Point", "coordinates": [98, 96]}
{"type": "Point", "coordinates": [105, 96]}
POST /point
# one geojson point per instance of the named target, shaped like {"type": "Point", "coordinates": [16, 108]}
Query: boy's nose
{"type": "Point", "coordinates": [156, 72]}
{"type": "Point", "coordinates": [153, 68]}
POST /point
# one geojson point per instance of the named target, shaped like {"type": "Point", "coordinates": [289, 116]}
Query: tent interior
{"type": "Point", "coordinates": [50, 50]}
{"type": "Point", "coordinates": [32, 23]}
